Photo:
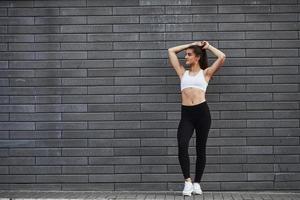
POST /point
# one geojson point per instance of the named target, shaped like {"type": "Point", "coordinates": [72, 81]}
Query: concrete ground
{"type": "Point", "coordinates": [148, 195]}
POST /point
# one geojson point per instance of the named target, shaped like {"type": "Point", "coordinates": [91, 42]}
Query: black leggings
{"type": "Point", "coordinates": [193, 117]}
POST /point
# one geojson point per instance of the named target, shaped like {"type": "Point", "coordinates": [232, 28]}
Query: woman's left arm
{"type": "Point", "coordinates": [218, 63]}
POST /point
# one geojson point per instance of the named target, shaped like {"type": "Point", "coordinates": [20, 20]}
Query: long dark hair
{"type": "Point", "coordinates": [199, 51]}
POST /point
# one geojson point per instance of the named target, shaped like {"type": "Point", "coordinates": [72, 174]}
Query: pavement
{"type": "Point", "coordinates": [146, 195]}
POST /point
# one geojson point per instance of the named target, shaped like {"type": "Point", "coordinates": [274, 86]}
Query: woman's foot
{"type": "Point", "coordinates": [197, 188]}
{"type": "Point", "coordinates": [188, 187]}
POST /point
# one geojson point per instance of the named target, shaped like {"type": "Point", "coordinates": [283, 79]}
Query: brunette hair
{"type": "Point", "coordinates": [199, 51]}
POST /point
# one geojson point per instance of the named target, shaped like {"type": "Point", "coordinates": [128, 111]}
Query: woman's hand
{"type": "Point", "coordinates": [204, 44]}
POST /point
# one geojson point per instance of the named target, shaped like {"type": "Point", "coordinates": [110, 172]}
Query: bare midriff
{"type": "Point", "coordinates": [192, 96]}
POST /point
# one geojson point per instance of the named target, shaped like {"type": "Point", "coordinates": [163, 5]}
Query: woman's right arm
{"type": "Point", "coordinates": [174, 59]}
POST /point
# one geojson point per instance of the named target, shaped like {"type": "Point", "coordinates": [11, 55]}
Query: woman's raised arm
{"type": "Point", "coordinates": [174, 59]}
{"type": "Point", "coordinates": [218, 63]}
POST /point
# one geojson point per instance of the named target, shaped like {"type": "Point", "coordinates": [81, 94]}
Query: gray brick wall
{"type": "Point", "coordinates": [90, 102]}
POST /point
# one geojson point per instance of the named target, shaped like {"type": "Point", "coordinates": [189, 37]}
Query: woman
{"type": "Point", "coordinates": [195, 113]}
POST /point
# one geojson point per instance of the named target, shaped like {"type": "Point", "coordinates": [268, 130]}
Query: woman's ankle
{"type": "Point", "coordinates": [188, 180]}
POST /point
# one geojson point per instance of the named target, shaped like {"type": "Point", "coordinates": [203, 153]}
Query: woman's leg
{"type": "Point", "coordinates": [202, 129]}
{"type": "Point", "coordinates": [184, 134]}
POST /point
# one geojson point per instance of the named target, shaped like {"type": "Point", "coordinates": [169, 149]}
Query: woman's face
{"type": "Point", "coordinates": [190, 57]}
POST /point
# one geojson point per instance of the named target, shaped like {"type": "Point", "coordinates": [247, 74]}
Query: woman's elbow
{"type": "Point", "coordinates": [170, 50]}
{"type": "Point", "coordinates": [222, 56]}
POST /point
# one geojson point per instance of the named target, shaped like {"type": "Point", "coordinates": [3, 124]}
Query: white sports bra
{"type": "Point", "coordinates": [197, 81]}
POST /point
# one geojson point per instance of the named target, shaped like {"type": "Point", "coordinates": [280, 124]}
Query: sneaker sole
{"type": "Point", "coordinates": [197, 192]}
{"type": "Point", "coordinates": [187, 194]}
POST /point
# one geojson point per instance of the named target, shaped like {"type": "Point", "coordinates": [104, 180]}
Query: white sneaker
{"type": "Point", "coordinates": [188, 188]}
{"type": "Point", "coordinates": [197, 188]}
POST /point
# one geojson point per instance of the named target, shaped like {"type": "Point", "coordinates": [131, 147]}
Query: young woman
{"type": "Point", "coordinates": [195, 113]}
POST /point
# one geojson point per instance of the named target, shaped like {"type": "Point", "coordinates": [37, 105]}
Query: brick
{"type": "Point", "coordinates": [35, 117]}
{"type": "Point", "coordinates": [121, 63]}
{"type": "Point", "coordinates": [284, 8]}
{"type": "Point", "coordinates": [139, 28]}
{"type": "Point", "coordinates": [60, 125]}
{"type": "Point", "coordinates": [60, 20]}
{"type": "Point", "coordinates": [60, 55]}
{"type": "Point", "coordinates": [271, 87]}
{"type": "Point", "coordinates": [114, 125]}
{"type": "Point", "coordinates": [35, 170]}
{"type": "Point", "coordinates": [36, 11]}
{"type": "Point", "coordinates": [287, 149]}
{"type": "Point", "coordinates": [86, 11]}
{"type": "Point", "coordinates": [244, 9]}
{"type": "Point", "coordinates": [3, 47]}
{"type": "Point", "coordinates": [138, 45]}
{"type": "Point", "coordinates": [17, 20]}
{"type": "Point", "coordinates": [202, 2]}
{"type": "Point", "coordinates": [139, 80]}
{"type": "Point", "coordinates": [271, 35]}
{"type": "Point", "coordinates": [87, 152]}
{"type": "Point", "coordinates": [114, 160]}
{"type": "Point", "coordinates": [34, 29]}
{"type": "Point", "coordinates": [61, 72]}
{"type": "Point", "coordinates": [61, 160]}
{"type": "Point", "coordinates": [219, 18]}
{"type": "Point", "coordinates": [272, 52]}
{"type": "Point", "coordinates": [286, 96]}
{"type": "Point", "coordinates": [166, 19]}
{"type": "Point", "coordinates": [87, 98]}
{"type": "Point", "coordinates": [112, 89]}
{"type": "Point", "coordinates": [17, 161]}
{"type": "Point", "coordinates": [164, 2]}
{"type": "Point", "coordinates": [271, 17]}
{"type": "Point", "coordinates": [17, 125]}
{"type": "Point", "coordinates": [59, 3]}
{"type": "Point", "coordinates": [285, 26]}
{"type": "Point", "coordinates": [164, 36]}
{"type": "Point", "coordinates": [112, 54]}
{"type": "Point", "coordinates": [217, 35]}
{"type": "Point", "coordinates": [3, 12]}
{"type": "Point", "coordinates": [112, 3]}
{"type": "Point", "coordinates": [86, 28]}
{"type": "Point", "coordinates": [112, 19]}
{"type": "Point", "coordinates": [149, 10]}
{"type": "Point", "coordinates": [60, 38]}
{"type": "Point", "coordinates": [17, 4]}
{"type": "Point", "coordinates": [3, 29]}
{"type": "Point", "coordinates": [113, 37]}
{"type": "Point", "coordinates": [272, 123]}
{"type": "Point", "coordinates": [247, 44]}
{"type": "Point", "coordinates": [61, 178]}
{"type": "Point", "coordinates": [244, 26]}
{"type": "Point", "coordinates": [89, 116]}
{"type": "Point", "coordinates": [247, 150]}
{"type": "Point", "coordinates": [87, 169]}
{"type": "Point", "coordinates": [34, 47]}
{"type": "Point", "coordinates": [87, 63]}
{"type": "Point", "coordinates": [190, 9]}
{"type": "Point", "coordinates": [272, 105]}
{"type": "Point", "coordinates": [35, 152]}
{"type": "Point", "coordinates": [191, 27]}
{"type": "Point", "coordinates": [16, 38]}
{"type": "Point", "coordinates": [17, 178]}
{"type": "Point", "coordinates": [115, 107]}
{"type": "Point", "coordinates": [245, 114]}
{"type": "Point", "coordinates": [40, 99]}
{"type": "Point", "coordinates": [286, 61]}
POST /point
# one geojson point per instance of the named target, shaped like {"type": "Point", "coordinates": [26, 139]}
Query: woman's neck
{"type": "Point", "coordinates": [195, 68]}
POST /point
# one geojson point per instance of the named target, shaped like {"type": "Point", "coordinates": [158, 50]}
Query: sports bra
{"type": "Point", "coordinates": [197, 81]}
